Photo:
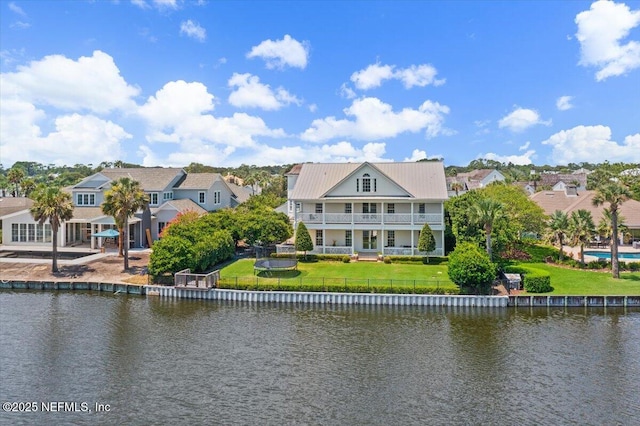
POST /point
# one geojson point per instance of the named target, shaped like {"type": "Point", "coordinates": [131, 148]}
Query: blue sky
{"type": "Point", "coordinates": [170, 82]}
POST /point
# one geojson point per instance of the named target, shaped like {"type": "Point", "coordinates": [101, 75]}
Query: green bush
{"type": "Point", "coordinates": [171, 254]}
{"type": "Point", "coordinates": [537, 281]}
{"type": "Point", "coordinates": [417, 259]}
{"type": "Point", "coordinates": [634, 266]}
{"type": "Point", "coordinates": [470, 267]}
{"type": "Point", "coordinates": [346, 258]}
{"type": "Point", "coordinates": [387, 260]}
{"type": "Point", "coordinates": [599, 264]}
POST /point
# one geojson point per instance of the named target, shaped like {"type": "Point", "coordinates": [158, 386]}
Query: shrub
{"type": "Point", "coordinates": [470, 267]}
{"type": "Point", "coordinates": [346, 258]}
{"type": "Point", "coordinates": [417, 259]}
{"type": "Point", "coordinates": [171, 254]}
{"type": "Point", "coordinates": [537, 281]}
{"type": "Point", "coordinates": [634, 266]}
{"type": "Point", "coordinates": [387, 260]}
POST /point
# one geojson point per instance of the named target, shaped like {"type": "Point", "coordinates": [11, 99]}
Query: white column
{"type": "Point", "coordinates": [62, 235]}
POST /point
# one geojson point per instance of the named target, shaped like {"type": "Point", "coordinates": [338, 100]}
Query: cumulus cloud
{"type": "Point", "coordinates": [416, 155]}
{"type": "Point", "coordinates": [180, 113]}
{"type": "Point", "coordinates": [601, 31]}
{"type": "Point", "coordinates": [347, 92]}
{"type": "Point", "coordinates": [375, 74]}
{"type": "Point", "coordinates": [564, 103]}
{"type": "Point", "coordinates": [524, 147]}
{"type": "Point", "coordinates": [521, 119]}
{"type": "Point", "coordinates": [520, 160]}
{"type": "Point", "coordinates": [193, 30]}
{"type": "Point", "coordinates": [590, 144]}
{"type": "Point", "coordinates": [16, 9]}
{"type": "Point", "coordinates": [250, 93]}
{"type": "Point", "coordinates": [91, 83]}
{"type": "Point", "coordinates": [279, 54]}
{"type": "Point", "coordinates": [374, 120]}
{"type": "Point", "coordinates": [158, 4]}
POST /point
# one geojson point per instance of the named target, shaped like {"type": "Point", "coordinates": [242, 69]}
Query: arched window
{"type": "Point", "coordinates": [366, 183]}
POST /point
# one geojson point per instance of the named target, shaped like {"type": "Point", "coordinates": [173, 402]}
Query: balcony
{"type": "Point", "coordinates": [386, 251]}
{"type": "Point", "coordinates": [372, 218]}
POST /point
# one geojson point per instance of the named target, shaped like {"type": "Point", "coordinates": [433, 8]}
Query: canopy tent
{"type": "Point", "coordinates": [107, 233]}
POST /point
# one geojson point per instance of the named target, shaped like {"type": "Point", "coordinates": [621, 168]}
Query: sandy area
{"type": "Point", "coordinates": [108, 269]}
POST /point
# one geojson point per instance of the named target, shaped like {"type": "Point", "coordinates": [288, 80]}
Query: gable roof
{"type": "Point", "coordinates": [241, 193]}
{"type": "Point", "coordinates": [9, 205]}
{"type": "Point", "coordinates": [423, 180]}
{"type": "Point", "coordinates": [199, 181]}
{"type": "Point", "coordinates": [150, 179]}
{"type": "Point", "coordinates": [551, 179]}
{"type": "Point", "coordinates": [181, 205]}
{"type": "Point", "coordinates": [551, 201]}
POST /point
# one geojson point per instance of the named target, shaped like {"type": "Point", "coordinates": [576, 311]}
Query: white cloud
{"type": "Point", "coordinates": [180, 113]}
{"type": "Point", "coordinates": [16, 9]}
{"type": "Point", "coordinates": [20, 25]}
{"type": "Point", "coordinates": [520, 160]}
{"type": "Point", "coordinates": [91, 83]}
{"type": "Point", "coordinates": [313, 107]}
{"type": "Point", "coordinates": [564, 103]}
{"type": "Point", "coordinates": [76, 139]}
{"type": "Point", "coordinates": [193, 30]}
{"type": "Point", "coordinates": [601, 30]}
{"type": "Point", "coordinates": [287, 52]}
{"type": "Point", "coordinates": [524, 147]}
{"type": "Point", "coordinates": [416, 155]}
{"type": "Point", "coordinates": [372, 76]}
{"type": "Point", "coordinates": [415, 75]}
{"type": "Point", "coordinates": [374, 120]}
{"type": "Point", "coordinates": [592, 144]}
{"type": "Point", "coordinates": [347, 92]}
{"type": "Point", "coordinates": [521, 119]}
{"type": "Point", "coordinates": [250, 93]}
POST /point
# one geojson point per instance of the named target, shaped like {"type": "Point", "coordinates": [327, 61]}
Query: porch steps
{"type": "Point", "coordinates": [367, 257]}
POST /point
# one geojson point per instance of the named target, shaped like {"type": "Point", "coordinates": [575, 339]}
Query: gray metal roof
{"type": "Point", "coordinates": [421, 180]}
{"type": "Point", "coordinates": [150, 179]}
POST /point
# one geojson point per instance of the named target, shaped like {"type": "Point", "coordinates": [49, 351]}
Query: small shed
{"type": "Point", "coordinates": [514, 281]}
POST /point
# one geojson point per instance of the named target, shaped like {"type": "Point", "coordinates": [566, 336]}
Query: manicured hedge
{"type": "Point", "coordinates": [534, 280]}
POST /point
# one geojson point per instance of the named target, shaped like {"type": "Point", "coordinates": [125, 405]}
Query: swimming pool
{"type": "Point", "coordinates": [607, 255]}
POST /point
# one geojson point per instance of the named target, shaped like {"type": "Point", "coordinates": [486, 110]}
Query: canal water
{"type": "Point", "coordinates": [154, 361]}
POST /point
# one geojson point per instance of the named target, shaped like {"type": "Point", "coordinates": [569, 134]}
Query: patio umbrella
{"type": "Point", "coordinates": [107, 233]}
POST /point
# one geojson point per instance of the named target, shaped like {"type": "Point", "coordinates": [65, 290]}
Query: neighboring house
{"type": "Point", "coordinates": [472, 180]}
{"type": "Point", "coordinates": [368, 207]}
{"type": "Point", "coordinates": [11, 207]}
{"type": "Point", "coordinates": [171, 191]}
{"type": "Point", "coordinates": [559, 181]}
{"type": "Point", "coordinates": [571, 200]}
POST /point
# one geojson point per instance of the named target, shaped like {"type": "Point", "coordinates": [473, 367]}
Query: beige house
{"type": "Point", "coordinates": [368, 207]}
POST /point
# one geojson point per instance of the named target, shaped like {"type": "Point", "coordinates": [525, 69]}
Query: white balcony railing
{"type": "Point", "coordinates": [360, 218]}
{"type": "Point", "coordinates": [408, 251]}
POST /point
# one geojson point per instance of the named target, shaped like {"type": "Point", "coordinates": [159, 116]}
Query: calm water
{"type": "Point", "coordinates": [190, 362]}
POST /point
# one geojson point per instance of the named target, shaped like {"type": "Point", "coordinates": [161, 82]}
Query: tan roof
{"type": "Point", "coordinates": [242, 193]}
{"type": "Point", "coordinates": [422, 180]}
{"type": "Point", "coordinates": [9, 205]}
{"type": "Point", "coordinates": [199, 181]}
{"type": "Point", "coordinates": [295, 170]}
{"type": "Point", "coordinates": [551, 201]}
{"type": "Point", "coordinates": [150, 179]}
{"type": "Point", "coordinates": [86, 214]}
{"type": "Point", "coordinates": [550, 179]}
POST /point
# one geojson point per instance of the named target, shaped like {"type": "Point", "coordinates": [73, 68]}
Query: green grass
{"type": "Point", "coordinates": [568, 281]}
{"type": "Point", "coordinates": [360, 274]}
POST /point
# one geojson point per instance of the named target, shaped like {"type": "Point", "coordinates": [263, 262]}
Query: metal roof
{"type": "Point", "coordinates": [150, 179]}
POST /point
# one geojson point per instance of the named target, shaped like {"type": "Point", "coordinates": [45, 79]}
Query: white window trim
{"type": "Point", "coordinates": [202, 195]}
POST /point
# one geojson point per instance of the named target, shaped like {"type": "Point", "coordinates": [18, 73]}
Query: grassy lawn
{"type": "Point", "coordinates": [338, 273]}
{"type": "Point", "coordinates": [576, 282]}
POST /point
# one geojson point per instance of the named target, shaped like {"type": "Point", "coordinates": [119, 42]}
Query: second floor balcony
{"type": "Point", "coordinates": [372, 218]}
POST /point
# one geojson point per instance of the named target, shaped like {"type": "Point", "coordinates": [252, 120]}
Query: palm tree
{"type": "Point", "coordinates": [559, 225]}
{"type": "Point", "coordinates": [581, 229]}
{"type": "Point", "coordinates": [52, 205]}
{"type": "Point", "coordinates": [614, 194]}
{"type": "Point", "coordinates": [456, 186]}
{"type": "Point", "coordinates": [122, 201]}
{"type": "Point", "coordinates": [16, 175]}
{"type": "Point", "coordinates": [486, 212]}
{"type": "Point", "coordinates": [604, 226]}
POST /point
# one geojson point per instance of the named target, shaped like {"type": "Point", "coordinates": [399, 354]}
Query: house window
{"type": "Point", "coordinates": [39, 232]}
{"type": "Point", "coordinates": [348, 238]}
{"type": "Point", "coordinates": [357, 185]}
{"type": "Point", "coordinates": [48, 234]}
{"type": "Point", "coordinates": [391, 208]}
{"type": "Point", "coordinates": [14, 232]}
{"type": "Point", "coordinates": [369, 208]}
{"type": "Point", "coordinates": [318, 207]}
{"type": "Point", "coordinates": [23, 232]}
{"type": "Point", "coordinates": [298, 207]}
{"type": "Point", "coordinates": [375, 185]}
{"type": "Point", "coordinates": [161, 226]}
{"type": "Point", "coordinates": [216, 197]}
{"type": "Point", "coordinates": [167, 196]}
{"type": "Point", "coordinates": [86, 199]}
{"type": "Point", "coordinates": [391, 238]}
{"type": "Point", "coordinates": [366, 183]}
{"type": "Point", "coordinates": [421, 208]}
{"type": "Point", "coordinates": [201, 197]}
{"type": "Point", "coordinates": [347, 208]}
{"type": "Point", "coordinates": [319, 240]}
{"type": "Point", "coordinates": [31, 232]}
{"type": "Point", "coordinates": [153, 198]}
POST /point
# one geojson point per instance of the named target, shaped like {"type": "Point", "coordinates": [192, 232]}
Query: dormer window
{"type": "Point", "coordinates": [153, 198]}
{"type": "Point", "coordinates": [85, 199]}
{"type": "Point", "coordinates": [366, 183]}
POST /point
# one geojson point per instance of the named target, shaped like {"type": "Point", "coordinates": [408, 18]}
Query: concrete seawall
{"type": "Point", "coordinates": [574, 301]}
{"type": "Point", "coordinates": [73, 285]}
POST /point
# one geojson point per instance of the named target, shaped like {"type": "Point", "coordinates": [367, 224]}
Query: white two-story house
{"type": "Point", "coordinates": [170, 191]}
{"type": "Point", "coordinates": [368, 207]}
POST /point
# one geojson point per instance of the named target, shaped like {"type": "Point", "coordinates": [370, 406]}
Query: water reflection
{"type": "Point", "coordinates": [186, 361]}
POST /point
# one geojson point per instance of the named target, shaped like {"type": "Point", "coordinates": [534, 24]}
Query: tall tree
{"type": "Point", "coordinates": [426, 242]}
{"type": "Point", "coordinates": [456, 186]}
{"type": "Point", "coordinates": [485, 212]}
{"type": "Point", "coordinates": [54, 206]}
{"type": "Point", "coordinates": [122, 201]}
{"type": "Point", "coordinates": [559, 226]}
{"type": "Point", "coordinates": [303, 239]}
{"type": "Point", "coordinates": [16, 176]}
{"type": "Point", "coordinates": [614, 194]}
{"type": "Point", "coordinates": [581, 229]}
